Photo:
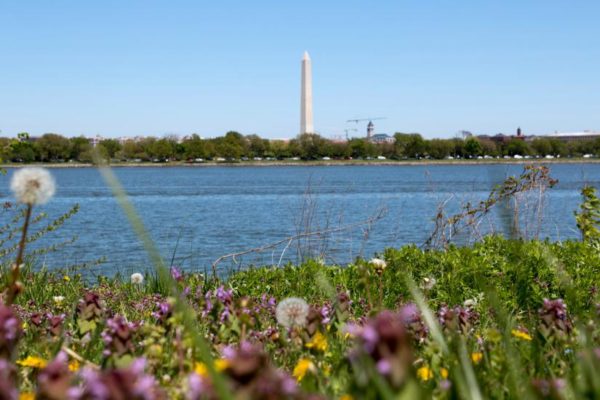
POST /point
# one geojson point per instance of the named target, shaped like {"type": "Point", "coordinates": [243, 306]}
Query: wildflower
{"type": "Point", "coordinates": [200, 369]}
{"type": "Point", "coordinates": [346, 397]}
{"type": "Point", "coordinates": [292, 312]}
{"type": "Point", "coordinates": [221, 364]}
{"type": "Point", "coordinates": [89, 311]}
{"type": "Point", "coordinates": [520, 334]}
{"type": "Point", "coordinates": [74, 365]}
{"type": "Point", "coordinates": [32, 362]}
{"type": "Point", "coordinates": [461, 318]}
{"type": "Point", "coordinates": [118, 336]}
{"type": "Point", "coordinates": [55, 379]}
{"type": "Point", "coordinates": [413, 322]}
{"type": "Point", "coordinates": [33, 185]}
{"type": "Point", "coordinates": [549, 388]}
{"type": "Point", "coordinates": [8, 380]}
{"type": "Point", "coordinates": [318, 342]}
{"type": "Point", "coordinates": [444, 373]}
{"type": "Point", "coordinates": [58, 299]}
{"type": "Point", "coordinates": [27, 396]}
{"type": "Point", "coordinates": [10, 331]}
{"type": "Point", "coordinates": [137, 278]}
{"type": "Point", "coordinates": [176, 274]}
{"type": "Point", "coordinates": [424, 373]}
{"type": "Point", "coordinates": [429, 283]}
{"type": "Point", "coordinates": [378, 264]}
{"type": "Point", "coordinates": [302, 367]}
{"type": "Point", "coordinates": [470, 303]}
{"type": "Point", "coordinates": [66, 278]}
{"type": "Point", "coordinates": [122, 383]}
{"type": "Point", "coordinates": [554, 316]}
{"type": "Point", "coordinates": [385, 339]}
{"type": "Point", "coordinates": [476, 357]}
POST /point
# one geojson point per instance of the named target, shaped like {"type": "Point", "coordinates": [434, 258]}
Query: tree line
{"type": "Point", "coordinates": [52, 147]}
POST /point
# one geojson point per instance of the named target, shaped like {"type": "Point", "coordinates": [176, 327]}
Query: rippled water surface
{"type": "Point", "coordinates": [196, 215]}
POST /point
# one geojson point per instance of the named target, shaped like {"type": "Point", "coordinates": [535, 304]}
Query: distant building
{"type": "Point", "coordinates": [573, 136]}
{"type": "Point", "coordinates": [382, 138]}
{"type": "Point", "coordinates": [502, 138]}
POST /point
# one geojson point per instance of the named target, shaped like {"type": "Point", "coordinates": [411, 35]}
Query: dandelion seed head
{"type": "Point", "coordinates": [33, 185]}
{"type": "Point", "coordinates": [292, 312]}
{"type": "Point", "coordinates": [137, 278]}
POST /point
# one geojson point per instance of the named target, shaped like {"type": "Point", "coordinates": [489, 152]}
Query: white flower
{"type": "Point", "coordinates": [137, 278]}
{"type": "Point", "coordinates": [58, 299]}
{"type": "Point", "coordinates": [32, 185]}
{"type": "Point", "coordinates": [470, 302]}
{"type": "Point", "coordinates": [291, 312]}
{"type": "Point", "coordinates": [378, 263]}
{"type": "Point", "coordinates": [429, 283]}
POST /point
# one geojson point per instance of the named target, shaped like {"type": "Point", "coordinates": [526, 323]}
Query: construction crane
{"type": "Point", "coordinates": [370, 125]}
{"type": "Point", "coordinates": [349, 130]}
{"type": "Point", "coordinates": [365, 119]}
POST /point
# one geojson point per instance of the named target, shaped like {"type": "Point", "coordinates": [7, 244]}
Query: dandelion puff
{"type": "Point", "coordinates": [137, 278]}
{"type": "Point", "coordinates": [378, 264]}
{"type": "Point", "coordinates": [33, 185]}
{"type": "Point", "coordinates": [292, 312]}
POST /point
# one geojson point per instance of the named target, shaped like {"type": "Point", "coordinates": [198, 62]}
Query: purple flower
{"type": "Point", "coordinates": [118, 336]}
{"type": "Point", "coordinates": [8, 380]}
{"type": "Point", "coordinates": [554, 317]}
{"type": "Point", "coordinates": [385, 340]}
{"type": "Point", "coordinates": [10, 331]}
{"type": "Point", "coordinates": [176, 274]}
{"type": "Point", "coordinates": [54, 381]}
{"type": "Point", "coordinates": [124, 383]}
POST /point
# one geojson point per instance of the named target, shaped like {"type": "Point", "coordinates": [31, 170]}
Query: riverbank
{"type": "Point", "coordinates": [412, 324]}
{"type": "Point", "coordinates": [321, 163]}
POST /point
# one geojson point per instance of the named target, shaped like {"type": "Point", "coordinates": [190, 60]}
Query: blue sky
{"type": "Point", "coordinates": [120, 68]}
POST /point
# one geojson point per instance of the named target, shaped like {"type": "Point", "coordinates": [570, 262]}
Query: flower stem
{"type": "Point", "coordinates": [15, 288]}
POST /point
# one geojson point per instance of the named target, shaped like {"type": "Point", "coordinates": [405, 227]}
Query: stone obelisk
{"type": "Point", "coordinates": [306, 111]}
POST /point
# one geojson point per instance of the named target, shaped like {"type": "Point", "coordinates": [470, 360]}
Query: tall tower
{"type": "Point", "coordinates": [306, 111]}
{"type": "Point", "coordinates": [370, 129]}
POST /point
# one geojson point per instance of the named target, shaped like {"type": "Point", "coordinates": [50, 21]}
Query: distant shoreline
{"type": "Point", "coordinates": [320, 163]}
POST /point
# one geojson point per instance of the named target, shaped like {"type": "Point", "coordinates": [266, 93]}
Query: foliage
{"type": "Point", "coordinates": [588, 218]}
{"type": "Point", "coordinates": [497, 287]}
{"type": "Point", "coordinates": [234, 146]}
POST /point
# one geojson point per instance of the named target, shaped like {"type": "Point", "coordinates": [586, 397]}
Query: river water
{"type": "Point", "coordinates": [196, 215]}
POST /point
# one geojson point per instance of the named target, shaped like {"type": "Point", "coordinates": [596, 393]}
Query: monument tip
{"type": "Point", "coordinates": [306, 56]}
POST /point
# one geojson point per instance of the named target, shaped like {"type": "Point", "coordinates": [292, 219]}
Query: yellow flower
{"type": "Point", "coordinates": [66, 278]}
{"type": "Point", "coordinates": [201, 369]}
{"type": "Point", "coordinates": [444, 373]}
{"type": "Point", "coordinates": [318, 342]}
{"type": "Point", "coordinates": [27, 396]}
{"type": "Point", "coordinates": [221, 364]}
{"type": "Point", "coordinates": [346, 397]}
{"type": "Point", "coordinates": [73, 365]}
{"type": "Point", "coordinates": [33, 362]}
{"type": "Point", "coordinates": [303, 366]}
{"type": "Point", "coordinates": [521, 335]}
{"type": "Point", "coordinates": [476, 357]}
{"type": "Point", "coordinates": [424, 373]}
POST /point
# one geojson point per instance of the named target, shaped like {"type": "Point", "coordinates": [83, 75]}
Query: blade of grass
{"type": "Point", "coordinates": [187, 312]}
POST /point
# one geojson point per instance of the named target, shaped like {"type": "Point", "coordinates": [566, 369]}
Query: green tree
{"type": "Point", "coordinates": [411, 145]}
{"type": "Point", "coordinates": [517, 146]}
{"type": "Point", "coordinates": [79, 145]}
{"type": "Point", "coordinates": [472, 147]}
{"type": "Point", "coordinates": [52, 147]}
{"type": "Point", "coordinates": [112, 146]}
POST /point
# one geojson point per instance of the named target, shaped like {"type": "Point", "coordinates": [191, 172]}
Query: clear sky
{"type": "Point", "coordinates": [119, 68]}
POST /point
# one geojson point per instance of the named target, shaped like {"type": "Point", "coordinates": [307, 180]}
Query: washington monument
{"type": "Point", "coordinates": [306, 111]}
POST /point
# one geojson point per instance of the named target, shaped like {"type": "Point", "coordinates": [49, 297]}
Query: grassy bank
{"type": "Point", "coordinates": [500, 319]}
